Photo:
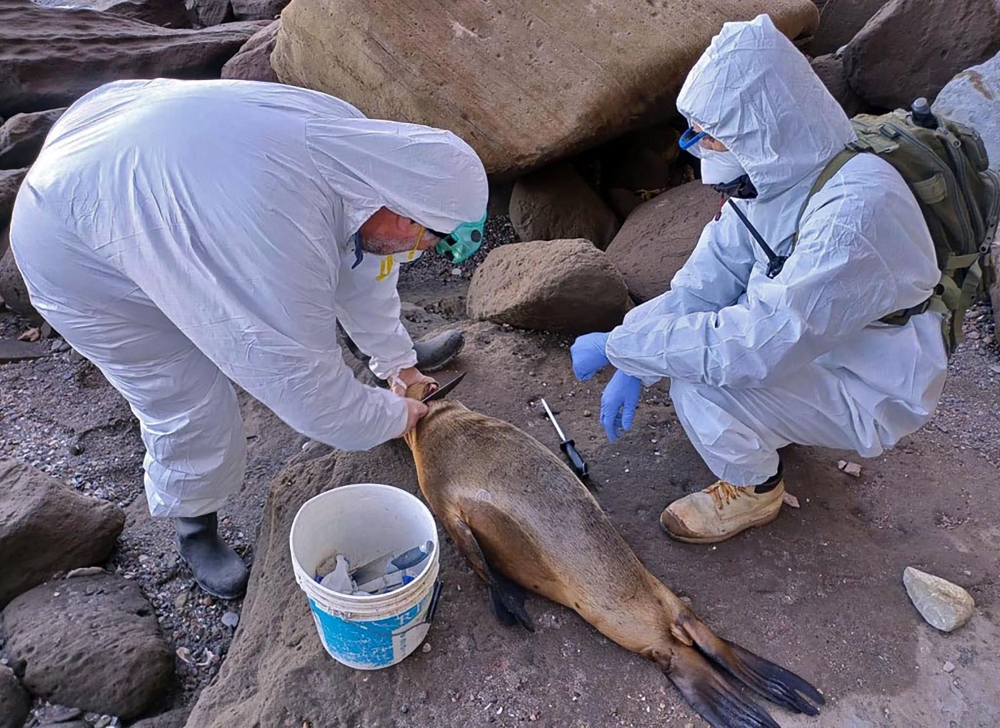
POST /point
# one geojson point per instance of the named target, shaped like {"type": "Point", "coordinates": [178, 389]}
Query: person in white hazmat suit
{"type": "Point", "coordinates": [182, 234]}
{"type": "Point", "coordinates": [767, 350]}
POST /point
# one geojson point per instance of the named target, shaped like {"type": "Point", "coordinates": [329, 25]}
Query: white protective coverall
{"type": "Point", "coordinates": [180, 234]}
{"type": "Point", "coordinates": [757, 363]}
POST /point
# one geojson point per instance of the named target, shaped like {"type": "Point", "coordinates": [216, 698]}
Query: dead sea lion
{"type": "Point", "coordinates": [523, 520]}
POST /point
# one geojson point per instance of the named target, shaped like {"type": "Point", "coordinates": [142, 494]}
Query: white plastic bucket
{"type": "Point", "coordinates": [363, 522]}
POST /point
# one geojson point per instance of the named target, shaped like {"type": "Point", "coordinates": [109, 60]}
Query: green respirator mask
{"type": "Point", "coordinates": [461, 243]}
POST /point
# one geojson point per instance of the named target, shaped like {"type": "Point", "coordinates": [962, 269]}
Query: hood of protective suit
{"type": "Point", "coordinates": [428, 175]}
{"type": "Point", "coordinates": [755, 92]}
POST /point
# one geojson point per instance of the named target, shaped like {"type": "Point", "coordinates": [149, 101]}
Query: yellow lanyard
{"type": "Point", "coordinates": [385, 265]}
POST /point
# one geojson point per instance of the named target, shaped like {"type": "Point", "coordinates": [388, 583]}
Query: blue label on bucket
{"type": "Point", "coordinates": [366, 643]}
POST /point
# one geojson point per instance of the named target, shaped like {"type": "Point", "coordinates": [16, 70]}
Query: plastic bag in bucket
{"type": "Point", "coordinates": [364, 521]}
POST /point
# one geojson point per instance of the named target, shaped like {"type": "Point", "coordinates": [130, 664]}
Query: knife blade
{"type": "Point", "coordinates": [445, 389]}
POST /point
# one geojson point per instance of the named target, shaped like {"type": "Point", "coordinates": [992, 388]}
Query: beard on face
{"type": "Point", "coordinates": [378, 245]}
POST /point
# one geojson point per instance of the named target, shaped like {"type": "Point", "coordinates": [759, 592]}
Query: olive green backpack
{"type": "Point", "coordinates": [945, 165]}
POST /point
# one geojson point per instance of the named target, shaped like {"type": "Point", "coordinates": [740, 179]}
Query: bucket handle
{"type": "Point", "coordinates": [428, 618]}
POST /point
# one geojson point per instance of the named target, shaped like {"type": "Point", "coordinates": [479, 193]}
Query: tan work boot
{"type": "Point", "coordinates": [720, 511]}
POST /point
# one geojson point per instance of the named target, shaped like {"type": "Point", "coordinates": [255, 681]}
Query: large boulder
{"type": "Point", "coordinates": [91, 642]}
{"type": "Point", "coordinates": [10, 183]}
{"type": "Point", "coordinates": [22, 136]}
{"type": "Point", "coordinates": [253, 62]}
{"type": "Point", "coordinates": [839, 22]}
{"type": "Point", "coordinates": [51, 57]}
{"type": "Point", "coordinates": [12, 289]}
{"type": "Point", "coordinates": [658, 238]}
{"type": "Point", "coordinates": [14, 702]}
{"type": "Point", "coordinates": [165, 13]}
{"type": "Point", "coordinates": [213, 12]}
{"type": "Point", "coordinates": [45, 527]}
{"type": "Point", "coordinates": [556, 203]}
{"type": "Point", "coordinates": [523, 84]}
{"type": "Point", "coordinates": [912, 48]}
{"type": "Point", "coordinates": [830, 69]}
{"type": "Point", "coordinates": [563, 286]}
{"type": "Point", "coordinates": [973, 98]}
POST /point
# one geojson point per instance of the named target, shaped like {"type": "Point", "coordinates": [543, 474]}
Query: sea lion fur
{"type": "Point", "coordinates": [523, 520]}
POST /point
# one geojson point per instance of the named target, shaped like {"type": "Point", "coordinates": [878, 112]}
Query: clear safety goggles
{"type": "Point", "coordinates": [461, 243]}
{"type": "Point", "coordinates": [692, 142]}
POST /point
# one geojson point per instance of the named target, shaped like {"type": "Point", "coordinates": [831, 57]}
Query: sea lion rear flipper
{"type": "Point", "coordinates": [708, 692]}
{"type": "Point", "coordinates": [772, 681]}
{"type": "Point", "coordinates": [506, 597]}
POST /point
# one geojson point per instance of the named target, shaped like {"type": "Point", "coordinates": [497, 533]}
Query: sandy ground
{"type": "Point", "coordinates": [819, 591]}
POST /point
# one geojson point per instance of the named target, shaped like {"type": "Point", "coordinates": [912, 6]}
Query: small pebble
{"type": "Point", "coordinates": [207, 601]}
{"type": "Point", "coordinates": [405, 709]}
{"type": "Point", "coordinates": [949, 666]}
{"type": "Point", "coordinates": [426, 647]}
{"type": "Point", "coordinates": [181, 599]}
{"type": "Point", "coordinates": [586, 413]}
{"type": "Point", "coordinates": [456, 271]}
{"type": "Point", "coordinates": [231, 619]}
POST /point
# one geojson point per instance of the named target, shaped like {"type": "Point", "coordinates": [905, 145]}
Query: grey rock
{"type": "Point", "coordinates": [173, 719]}
{"type": "Point", "coordinates": [22, 136]}
{"type": "Point", "coordinates": [557, 204]}
{"type": "Point", "coordinates": [973, 98]}
{"type": "Point", "coordinates": [15, 704]}
{"type": "Point", "coordinates": [94, 48]}
{"type": "Point", "coordinates": [253, 61]}
{"type": "Point", "coordinates": [10, 183]}
{"type": "Point", "coordinates": [231, 619]}
{"type": "Point", "coordinates": [47, 527]}
{"type": "Point", "coordinates": [912, 48]}
{"type": "Point", "coordinates": [839, 21]}
{"type": "Point", "coordinates": [830, 69]}
{"type": "Point", "coordinates": [91, 642]}
{"type": "Point", "coordinates": [565, 286]}
{"type": "Point", "coordinates": [944, 605]}
{"type": "Point", "coordinates": [12, 350]}
{"type": "Point", "coordinates": [12, 289]}
{"type": "Point", "coordinates": [657, 239]}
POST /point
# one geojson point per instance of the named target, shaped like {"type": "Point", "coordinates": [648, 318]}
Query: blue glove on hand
{"type": "Point", "coordinates": [588, 355]}
{"type": "Point", "coordinates": [618, 404]}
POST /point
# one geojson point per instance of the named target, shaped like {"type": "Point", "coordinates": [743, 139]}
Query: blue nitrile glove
{"type": "Point", "coordinates": [618, 403]}
{"type": "Point", "coordinates": [588, 355]}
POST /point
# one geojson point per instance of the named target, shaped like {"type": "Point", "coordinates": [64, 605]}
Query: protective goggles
{"type": "Point", "coordinates": [690, 141]}
{"type": "Point", "coordinates": [461, 243]}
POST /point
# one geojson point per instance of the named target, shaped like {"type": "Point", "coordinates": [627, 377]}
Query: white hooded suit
{"type": "Point", "coordinates": [757, 363]}
{"type": "Point", "coordinates": [180, 234]}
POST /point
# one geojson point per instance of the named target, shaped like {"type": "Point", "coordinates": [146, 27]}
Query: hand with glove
{"type": "Point", "coordinates": [618, 404]}
{"type": "Point", "coordinates": [588, 355]}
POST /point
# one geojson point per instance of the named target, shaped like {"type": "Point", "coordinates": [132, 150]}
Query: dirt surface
{"type": "Point", "coordinates": [819, 591]}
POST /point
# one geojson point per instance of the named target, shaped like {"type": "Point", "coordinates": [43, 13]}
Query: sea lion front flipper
{"type": "Point", "coordinates": [506, 597]}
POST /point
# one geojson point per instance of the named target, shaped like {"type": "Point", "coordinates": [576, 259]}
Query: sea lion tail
{"type": "Point", "coordinates": [772, 681]}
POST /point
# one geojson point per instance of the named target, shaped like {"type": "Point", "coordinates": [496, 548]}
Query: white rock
{"type": "Point", "coordinates": [948, 666]}
{"type": "Point", "coordinates": [944, 605]}
{"type": "Point", "coordinates": [973, 98]}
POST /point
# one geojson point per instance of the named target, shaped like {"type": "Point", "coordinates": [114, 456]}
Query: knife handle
{"type": "Point", "coordinates": [579, 467]}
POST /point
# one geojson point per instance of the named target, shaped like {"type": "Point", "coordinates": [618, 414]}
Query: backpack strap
{"type": "Point", "coordinates": [832, 167]}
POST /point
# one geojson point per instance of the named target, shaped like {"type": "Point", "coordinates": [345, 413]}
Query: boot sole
{"type": "Point", "coordinates": [719, 539]}
{"type": "Point", "coordinates": [441, 365]}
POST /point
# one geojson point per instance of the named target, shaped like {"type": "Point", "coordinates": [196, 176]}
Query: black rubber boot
{"type": "Point", "coordinates": [432, 354]}
{"type": "Point", "coordinates": [437, 352]}
{"type": "Point", "coordinates": [217, 568]}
